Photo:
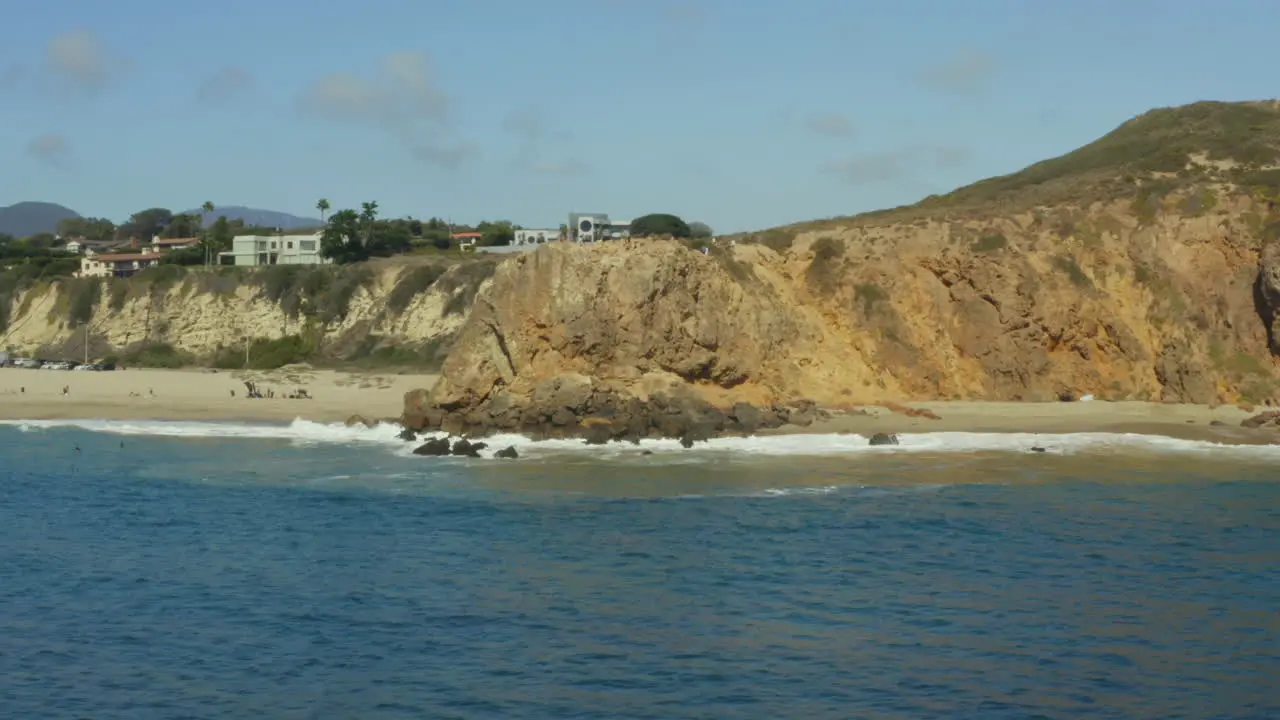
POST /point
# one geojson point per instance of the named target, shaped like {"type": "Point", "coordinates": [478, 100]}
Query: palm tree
{"type": "Point", "coordinates": [207, 207]}
{"type": "Point", "coordinates": [323, 206]}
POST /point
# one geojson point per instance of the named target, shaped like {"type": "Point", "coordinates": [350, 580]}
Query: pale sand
{"type": "Point", "coordinates": [137, 394]}
{"type": "Point", "coordinates": [1192, 422]}
{"type": "Point", "coordinates": [206, 395]}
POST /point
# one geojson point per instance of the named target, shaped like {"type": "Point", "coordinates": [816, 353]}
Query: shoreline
{"type": "Point", "coordinates": [1221, 424]}
{"type": "Point", "coordinates": [202, 395]}
{"type": "Point", "coordinates": [218, 397]}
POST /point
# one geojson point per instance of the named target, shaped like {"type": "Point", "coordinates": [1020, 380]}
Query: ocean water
{"type": "Point", "coordinates": [186, 570]}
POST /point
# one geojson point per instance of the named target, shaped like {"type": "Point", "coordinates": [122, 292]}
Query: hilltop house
{"type": "Point", "coordinates": [254, 250]}
{"type": "Point", "coordinates": [160, 245]}
{"type": "Point", "coordinates": [83, 246]}
{"type": "Point", "coordinates": [117, 265]}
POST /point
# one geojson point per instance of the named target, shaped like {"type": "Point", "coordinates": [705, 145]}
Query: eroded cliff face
{"type": "Point", "coordinates": [348, 313]}
{"type": "Point", "coordinates": [1031, 307]}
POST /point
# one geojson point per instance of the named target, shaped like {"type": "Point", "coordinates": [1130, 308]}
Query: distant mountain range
{"type": "Point", "coordinates": [31, 218]}
{"type": "Point", "coordinates": [261, 218]}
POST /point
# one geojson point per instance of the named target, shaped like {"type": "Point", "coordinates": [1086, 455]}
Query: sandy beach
{"type": "Point", "coordinates": [208, 395]}
{"type": "Point", "coordinates": [1191, 422]}
{"type": "Point", "coordinates": [138, 394]}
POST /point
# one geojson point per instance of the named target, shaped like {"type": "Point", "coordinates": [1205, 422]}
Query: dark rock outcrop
{"type": "Point", "coordinates": [1267, 289]}
{"type": "Point", "coordinates": [407, 435]}
{"type": "Point", "coordinates": [507, 453]}
{"type": "Point", "coordinates": [883, 439]}
{"type": "Point", "coordinates": [435, 447]}
{"type": "Point", "coordinates": [571, 405]}
{"type": "Point", "coordinates": [465, 448]}
{"type": "Point", "coordinates": [1269, 420]}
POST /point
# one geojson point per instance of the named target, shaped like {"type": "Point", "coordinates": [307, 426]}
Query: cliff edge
{"type": "Point", "coordinates": [1118, 277]}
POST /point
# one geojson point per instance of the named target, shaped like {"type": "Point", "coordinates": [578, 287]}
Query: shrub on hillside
{"type": "Point", "coordinates": [990, 243]}
{"type": "Point", "coordinates": [658, 224]}
{"type": "Point", "coordinates": [411, 283]}
{"type": "Point", "coordinates": [154, 355]}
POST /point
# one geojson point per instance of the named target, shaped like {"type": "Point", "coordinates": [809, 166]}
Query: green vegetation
{"type": "Point", "coordinates": [319, 292]}
{"type": "Point", "coordinates": [98, 229]}
{"type": "Point", "coordinates": [660, 224]}
{"type": "Point", "coordinates": [26, 263]}
{"type": "Point", "coordinates": [375, 354]}
{"type": "Point", "coordinates": [824, 270]}
{"type": "Point", "coordinates": [80, 296]}
{"type": "Point", "coordinates": [1251, 374]}
{"type": "Point", "coordinates": [1200, 202]}
{"type": "Point", "coordinates": [1142, 274]}
{"type": "Point", "coordinates": [462, 282]}
{"type": "Point", "coordinates": [1068, 265]}
{"type": "Point", "coordinates": [411, 283]}
{"type": "Point", "coordinates": [869, 295]}
{"type": "Point", "coordinates": [777, 239]}
{"type": "Point", "coordinates": [154, 355]}
{"type": "Point", "coordinates": [990, 243]}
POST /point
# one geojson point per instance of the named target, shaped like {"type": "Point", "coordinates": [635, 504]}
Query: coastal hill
{"type": "Point", "coordinates": [31, 218]}
{"type": "Point", "coordinates": [254, 217]}
{"type": "Point", "coordinates": [1141, 266]}
{"type": "Point", "coordinates": [1144, 266]}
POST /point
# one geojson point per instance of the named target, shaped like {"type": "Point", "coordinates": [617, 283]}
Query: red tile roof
{"type": "Point", "coordinates": [457, 236]}
{"type": "Point", "coordinates": [127, 257]}
{"type": "Point", "coordinates": [175, 241]}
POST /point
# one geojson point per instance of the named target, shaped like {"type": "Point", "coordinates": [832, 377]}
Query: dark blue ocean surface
{"type": "Point", "coordinates": [150, 577]}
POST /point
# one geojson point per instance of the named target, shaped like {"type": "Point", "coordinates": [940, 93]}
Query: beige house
{"type": "Point", "coordinates": [160, 245]}
{"type": "Point", "coordinates": [121, 265]}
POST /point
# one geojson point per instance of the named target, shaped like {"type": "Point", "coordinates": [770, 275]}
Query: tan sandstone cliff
{"type": "Point", "coordinates": [1145, 265]}
{"type": "Point", "coordinates": [1174, 301]}
{"type": "Point", "coordinates": [345, 313]}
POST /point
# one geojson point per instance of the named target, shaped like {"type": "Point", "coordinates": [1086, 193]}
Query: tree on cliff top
{"type": "Point", "coordinates": [145, 224]}
{"type": "Point", "coordinates": [352, 236]}
{"type": "Point", "coordinates": [660, 224]}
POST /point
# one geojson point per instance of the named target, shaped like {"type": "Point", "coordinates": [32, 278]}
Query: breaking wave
{"type": "Point", "coordinates": [305, 432]}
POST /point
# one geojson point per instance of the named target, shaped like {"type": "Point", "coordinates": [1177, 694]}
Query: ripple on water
{"type": "Point", "coordinates": [336, 582]}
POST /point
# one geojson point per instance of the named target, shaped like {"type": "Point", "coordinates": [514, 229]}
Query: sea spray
{"type": "Point", "coordinates": [306, 432]}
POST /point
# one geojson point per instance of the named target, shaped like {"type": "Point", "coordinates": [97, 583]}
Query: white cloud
{"type": "Point", "coordinates": [52, 149]}
{"type": "Point", "coordinates": [402, 94]}
{"type": "Point", "coordinates": [966, 73]}
{"type": "Point", "coordinates": [80, 60]}
{"type": "Point", "coordinates": [401, 98]}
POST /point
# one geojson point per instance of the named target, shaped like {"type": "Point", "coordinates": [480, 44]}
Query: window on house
{"type": "Point", "coordinates": [307, 245]}
{"type": "Point", "coordinates": [290, 244]}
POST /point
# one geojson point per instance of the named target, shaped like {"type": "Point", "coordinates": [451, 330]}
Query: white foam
{"type": "Point", "coordinates": [298, 431]}
{"type": "Point", "coordinates": [307, 432]}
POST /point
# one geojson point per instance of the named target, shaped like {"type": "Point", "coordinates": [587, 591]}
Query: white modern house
{"type": "Point", "coordinates": [594, 227]}
{"type": "Point", "coordinates": [255, 250]}
{"type": "Point", "coordinates": [117, 265]}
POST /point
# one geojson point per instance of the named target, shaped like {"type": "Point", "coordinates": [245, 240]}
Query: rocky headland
{"type": "Point", "coordinates": [1145, 266]}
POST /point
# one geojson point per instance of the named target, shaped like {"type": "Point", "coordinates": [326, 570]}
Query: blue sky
{"type": "Point", "coordinates": [743, 114]}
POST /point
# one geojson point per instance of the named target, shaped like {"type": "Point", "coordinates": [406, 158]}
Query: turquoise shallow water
{"type": "Point", "coordinates": [232, 577]}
